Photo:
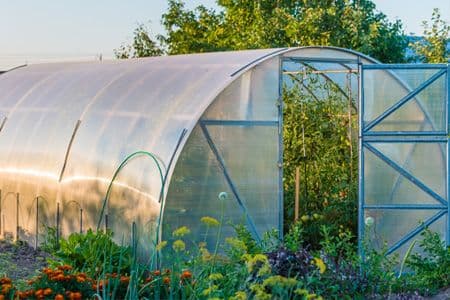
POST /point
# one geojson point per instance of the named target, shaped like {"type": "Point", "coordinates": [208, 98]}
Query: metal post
{"type": "Point", "coordinates": [81, 220]}
{"type": "Point", "coordinates": [297, 193]}
{"type": "Point", "coordinates": [350, 100]}
{"type": "Point", "coordinates": [106, 222]}
{"type": "Point", "coordinates": [17, 217]}
{"type": "Point", "coordinates": [36, 242]}
{"type": "Point", "coordinates": [1, 227]}
{"type": "Point", "coordinates": [447, 85]}
{"type": "Point", "coordinates": [57, 223]}
{"type": "Point", "coordinates": [360, 160]}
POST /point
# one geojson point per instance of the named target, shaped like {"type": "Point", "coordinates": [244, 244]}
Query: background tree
{"type": "Point", "coordinates": [434, 47]}
{"type": "Point", "coordinates": [245, 24]}
{"type": "Point", "coordinates": [143, 45]}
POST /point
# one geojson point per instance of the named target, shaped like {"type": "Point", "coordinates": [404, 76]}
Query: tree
{"type": "Point", "coordinates": [246, 24]}
{"type": "Point", "coordinates": [143, 45]}
{"type": "Point", "coordinates": [434, 47]}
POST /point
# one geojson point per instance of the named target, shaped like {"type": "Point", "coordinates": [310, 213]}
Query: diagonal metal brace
{"type": "Point", "coordinates": [406, 174]}
{"type": "Point", "coordinates": [230, 182]}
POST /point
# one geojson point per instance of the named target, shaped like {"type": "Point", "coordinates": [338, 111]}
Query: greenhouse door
{"type": "Point", "coordinates": [403, 144]}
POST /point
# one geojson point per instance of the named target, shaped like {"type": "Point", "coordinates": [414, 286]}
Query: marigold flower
{"type": "Point", "coordinates": [2, 297]}
{"type": "Point", "coordinates": [48, 292]}
{"type": "Point", "coordinates": [166, 280]}
{"type": "Point", "coordinates": [161, 245]}
{"type": "Point", "coordinates": [59, 297]}
{"type": "Point", "coordinates": [5, 280]}
{"type": "Point", "coordinates": [210, 221]}
{"type": "Point", "coordinates": [157, 272]}
{"type": "Point", "coordinates": [179, 245]}
{"type": "Point", "coordinates": [64, 268]}
{"type": "Point", "coordinates": [182, 231]}
{"type": "Point", "coordinates": [124, 279]}
{"type": "Point", "coordinates": [186, 274]}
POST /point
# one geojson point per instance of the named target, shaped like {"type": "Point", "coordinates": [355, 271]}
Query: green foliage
{"type": "Point", "coordinates": [143, 45]}
{"type": "Point", "coordinates": [434, 47]}
{"type": "Point", "coordinates": [243, 24]}
{"type": "Point", "coordinates": [93, 253]}
{"type": "Point", "coordinates": [318, 140]}
{"type": "Point", "coordinates": [430, 268]}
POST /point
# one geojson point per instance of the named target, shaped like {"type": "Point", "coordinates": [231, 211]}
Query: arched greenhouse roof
{"type": "Point", "coordinates": [66, 127]}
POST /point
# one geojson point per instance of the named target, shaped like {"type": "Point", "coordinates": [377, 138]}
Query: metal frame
{"type": "Point", "coordinates": [366, 137]}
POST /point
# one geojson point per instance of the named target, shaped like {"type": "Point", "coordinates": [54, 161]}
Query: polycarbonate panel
{"type": "Point", "coordinates": [384, 185]}
{"type": "Point", "coordinates": [425, 161]}
{"type": "Point", "coordinates": [384, 88]}
{"type": "Point", "coordinates": [194, 192]}
{"type": "Point", "coordinates": [390, 226]}
{"type": "Point", "coordinates": [121, 107]}
{"type": "Point", "coordinates": [252, 96]}
{"type": "Point", "coordinates": [250, 154]}
{"type": "Point", "coordinates": [328, 53]}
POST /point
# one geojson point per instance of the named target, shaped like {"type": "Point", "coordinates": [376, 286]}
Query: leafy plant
{"type": "Point", "coordinates": [92, 252]}
{"type": "Point", "coordinates": [430, 269]}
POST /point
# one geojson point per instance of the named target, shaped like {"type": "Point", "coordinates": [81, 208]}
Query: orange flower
{"type": "Point", "coordinates": [64, 268]}
{"type": "Point", "coordinates": [148, 279]}
{"type": "Point", "coordinates": [5, 280]}
{"type": "Point", "coordinates": [48, 292]}
{"type": "Point", "coordinates": [81, 278]}
{"type": "Point", "coordinates": [124, 279]}
{"type": "Point", "coordinates": [166, 280]}
{"type": "Point", "coordinates": [2, 297]}
{"type": "Point", "coordinates": [157, 272]}
{"type": "Point", "coordinates": [186, 274]}
{"type": "Point", "coordinates": [59, 297]}
{"type": "Point", "coordinates": [167, 271]}
{"type": "Point", "coordinates": [5, 288]}
{"type": "Point", "coordinates": [75, 296]}
{"type": "Point", "coordinates": [39, 293]}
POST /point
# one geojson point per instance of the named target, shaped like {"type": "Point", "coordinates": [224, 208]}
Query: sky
{"type": "Point", "coordinates": [55, 30]}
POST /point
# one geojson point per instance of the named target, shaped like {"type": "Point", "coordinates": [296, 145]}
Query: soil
{"type": "Point", "coordinates": [20, 261]}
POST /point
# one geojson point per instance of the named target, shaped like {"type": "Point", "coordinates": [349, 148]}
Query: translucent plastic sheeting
{"type": "Point", "coordinates": [121, 107]}
{"type": "Point", "coordinates": [385, 185]}
{"type": "Point", "coordinates": [384, 88]}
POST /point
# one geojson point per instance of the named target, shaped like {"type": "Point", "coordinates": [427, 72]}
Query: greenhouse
{"type": "Point", "coordinates": [144, 146]}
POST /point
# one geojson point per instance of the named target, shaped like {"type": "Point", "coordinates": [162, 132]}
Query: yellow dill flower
{"type": "Point", "coordinates": [209, 290]}
{"type": "Point", "coordinates": [215, 276]}
{"type": "Point", "coordinates": [239, 295]}
{"type": "Point", "coordinates": [260, 261]}
{"type": "Point", "coordinates": [301, 292]}
{"type": "Point", "coordinates": [236, 244]}
{"type": "Point", "coordinates": [182, 231]}
{"type": "Point", "coordinates": [210, 221]}
{"type": "Point", "coordinates": [161, 245]}
{"type": "Point", "coordinates": [179, 245]}
{"type": "Point", "coordinates": [320, 264]}
{"type": "Point", "coordinates": [280, 281]}
{"type": "Point", "coordinates": [260, 292]}
{"type": "Point", "coordinates": [206, 256]}
{"type": "Point", "coordinates": [313, 297]}
{"type": "Point", "coordinates": [214, 298]}
{"type": "Point", "coordinates": [202, 245]}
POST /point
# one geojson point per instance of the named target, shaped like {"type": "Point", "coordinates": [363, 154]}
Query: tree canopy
{"type": "Point", "coordinates": [248, 24]}
{"type": "Point", "coordinates": [434, 47]}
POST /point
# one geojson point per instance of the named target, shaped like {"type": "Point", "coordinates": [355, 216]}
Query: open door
{"type": "Point", "coordinates": [403, 154]}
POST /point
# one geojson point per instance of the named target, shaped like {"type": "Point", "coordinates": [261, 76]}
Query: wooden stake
{"type": "Point", "coordinates": [297, 193]}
